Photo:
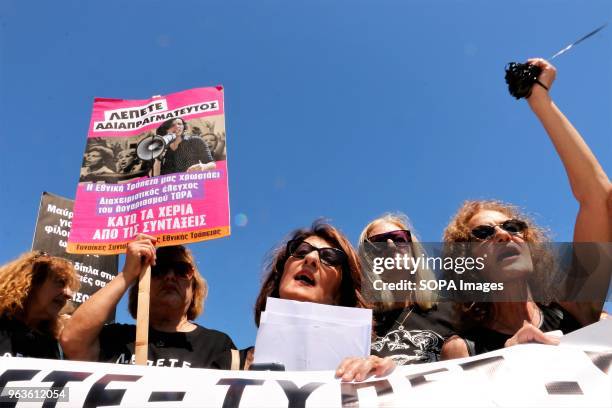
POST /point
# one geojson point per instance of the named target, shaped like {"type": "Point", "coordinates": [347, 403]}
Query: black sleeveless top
{"type": "Point", "coordinates": [18, 340]}
{"type": "Point", "coordinates": [412, 335]}
{"type": "Point", "coordinates": [482, 340]}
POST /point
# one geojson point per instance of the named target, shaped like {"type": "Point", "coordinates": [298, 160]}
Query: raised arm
{"type": "Point", "coordinates": [589, 183]}
{"type": "Point", "coordinates": [79, 339]}
{"type": "Point", "coordinates": [591, 188]}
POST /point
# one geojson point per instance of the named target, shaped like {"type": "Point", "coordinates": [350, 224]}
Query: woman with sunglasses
{"type": "Point", "coordinates": [410, 327]}
{"type": "Point", "coordinates": [319, 265]}
{"type": "Point", "coordinates": [177, 296]}
{"type": "Point", "coordinates": [510, 239]}
{"type": "Point", "coordinates": [34, 288]}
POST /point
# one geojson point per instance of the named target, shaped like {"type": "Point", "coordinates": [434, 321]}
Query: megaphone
{"type": "Point", "coordinates": [152, 147]}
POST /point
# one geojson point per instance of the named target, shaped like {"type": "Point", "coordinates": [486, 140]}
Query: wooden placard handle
{"type": "Point", "coordinates": [141, 347]}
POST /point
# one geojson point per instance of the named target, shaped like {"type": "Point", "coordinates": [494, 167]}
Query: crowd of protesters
{"type": "Point", "coordinates": [319, 264]}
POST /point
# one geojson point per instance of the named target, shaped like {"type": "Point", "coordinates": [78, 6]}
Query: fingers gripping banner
{"type": "Point", "coordinates": [521, 376]}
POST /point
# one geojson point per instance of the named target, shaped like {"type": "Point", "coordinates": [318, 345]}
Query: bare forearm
{"type": "Point", "coordinates": [587, 179]}
{"type": "Point", "coordinates": [79, 338]}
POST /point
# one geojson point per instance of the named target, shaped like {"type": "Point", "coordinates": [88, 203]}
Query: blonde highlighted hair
{"type": "Point", "coordinates": [423, 298]}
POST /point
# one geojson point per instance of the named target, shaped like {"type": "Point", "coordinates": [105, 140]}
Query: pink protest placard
{"type": "Point", "coordinates": [155, 166]}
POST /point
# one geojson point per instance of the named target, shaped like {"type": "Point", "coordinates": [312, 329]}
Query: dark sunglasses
{"type": "Point", "coordinates": [484, 232]}
{"type": "Point", "coordinates": [181, 269]}
{"type": "Point", "coordinates": [397, 236]}
{"type": "Point", "coordinates": [329, 256]}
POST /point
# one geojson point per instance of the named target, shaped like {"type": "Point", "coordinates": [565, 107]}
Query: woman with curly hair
{"type": "Point", "coordinates": [33, 290]}
{"type": "Point", "coordinates": [319, 265]}
{"type": "Point", "coordinates": [512, 246]}
{"type": "Point", "coordinates": [410, 326]}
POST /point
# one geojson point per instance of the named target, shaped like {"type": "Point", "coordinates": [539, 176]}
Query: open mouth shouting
{"type": "Point", "coordinates": [305, 278]}
{"type": "Point", "coordinates": [312, 272]}
{"type": "Point", "coordinates": [510, 252]}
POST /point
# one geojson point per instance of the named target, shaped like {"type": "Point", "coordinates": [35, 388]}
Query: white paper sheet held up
{"type": "Point", "coordinates": [309, 336]}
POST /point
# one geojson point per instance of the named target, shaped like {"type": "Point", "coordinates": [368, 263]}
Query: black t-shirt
{"type": "Point", "coordinates": [200, 348]}
{"type": "Point", "coordinates": [190, 151]}
{"type": "Point", "coordinates": [240, 358]}
{"type": "Point", "coordinates": [412, 335]}
{"type": "Point", "coordinates": [18, 340]}
{"type": "Point", "coordinates": [482, 340]}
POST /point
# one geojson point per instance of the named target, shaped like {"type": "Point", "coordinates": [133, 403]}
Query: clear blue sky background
{"type": "Point", "coordinates": [341, 109]}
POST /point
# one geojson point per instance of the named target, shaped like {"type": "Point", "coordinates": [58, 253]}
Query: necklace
{"type": "Point", "coordinates": [505, 328]}
{"type": "Point", "coordinates": [401, 325]}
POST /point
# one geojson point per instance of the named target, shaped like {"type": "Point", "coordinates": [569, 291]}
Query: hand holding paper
{"type": "Point", "coordinates": [310, 336]}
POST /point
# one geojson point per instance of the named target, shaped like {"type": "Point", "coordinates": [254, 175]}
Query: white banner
{"type": "Point", "coordinates": [521, 376]}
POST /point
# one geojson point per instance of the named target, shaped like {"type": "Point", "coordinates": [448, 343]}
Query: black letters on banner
{"type": "Point", "coordinates": [349, 391]}
{"type": "Point", "coordinates": [99, 396]}
{"type": "Point", "coordinates": [60, 378]}
{"type": "Point", "coordinates": [297, 396]}
{"type": "Point", "coordinates": [419, 379]}
{"type": "Point", "coordinates": [603, 361]}
{"type": "Point", "coordinates": [166, 396]}
{"type": "Point", "coordinates": [490, 363]}
{"type": "Point", "coordinates": [15, 375]}
{"type": "Point", "coordinates": [564, 388]}
{"type": "Point", "coordinates": [235, 390]}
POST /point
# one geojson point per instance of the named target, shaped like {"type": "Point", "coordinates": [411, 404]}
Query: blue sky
{"type": "Point", "coordinates": [337, 109]}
